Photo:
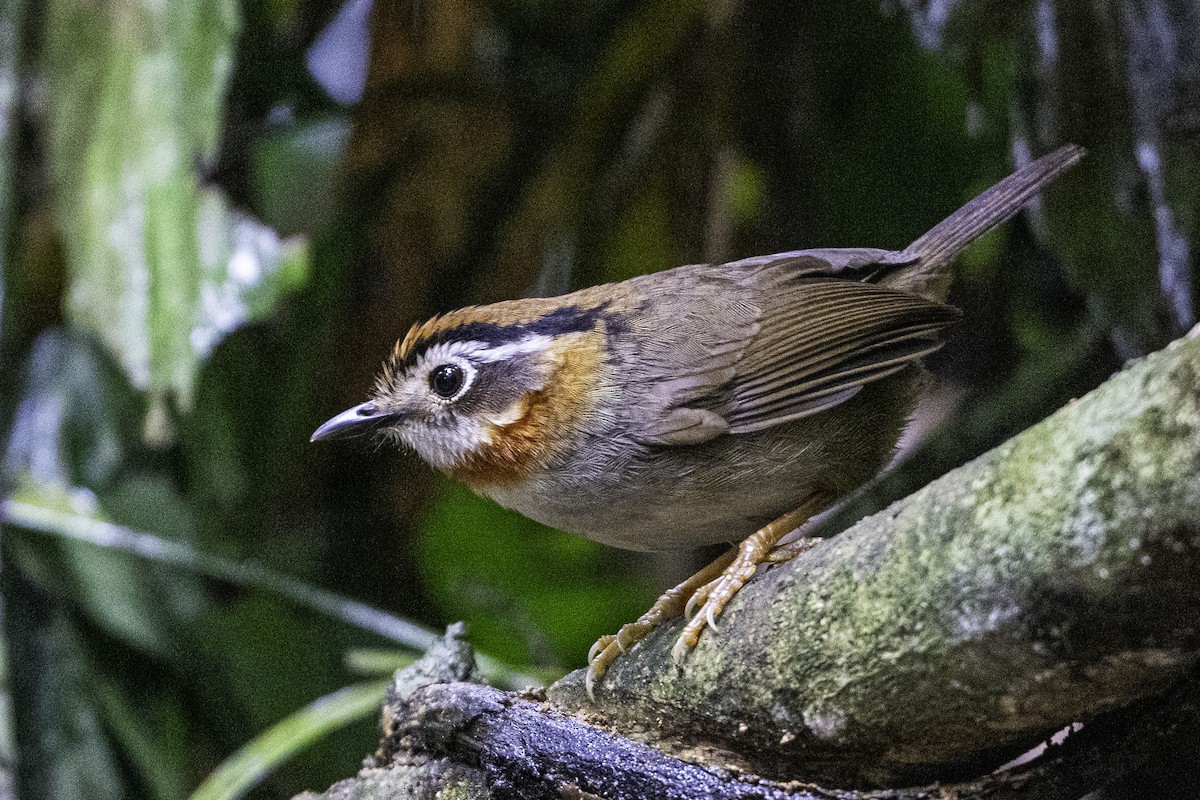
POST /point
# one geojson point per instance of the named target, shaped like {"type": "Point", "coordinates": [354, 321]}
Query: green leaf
{"type": "Point", "coordinates": [71, 432]}
{"type": "Point", "coordinates": [376, 661]}
{"type": "Point", "coordinates": [75, 517]}
{"type": "Point", "coordinates": [112, 588]}
{"type": "Point", "coordinates": [249, 765]}
{"type": "Point", "coordinates": [159, 268]}
{"type": "Point", "coordinates": [75, 420]}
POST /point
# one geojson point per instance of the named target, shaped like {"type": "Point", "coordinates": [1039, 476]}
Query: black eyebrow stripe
{"type": "Point", "coordinates": [567, 319]}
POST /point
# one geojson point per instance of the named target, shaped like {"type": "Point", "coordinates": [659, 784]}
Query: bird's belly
{"type": "Point", "coordinates": [681, 498]}
{"type": "Point", "coordinates": [673, 498]}
{"type": "Point", "coordinates": [633, 520]}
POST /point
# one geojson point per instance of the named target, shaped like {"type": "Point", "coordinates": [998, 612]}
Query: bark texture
{"type": "Point", "coordinates": [1051, 581]}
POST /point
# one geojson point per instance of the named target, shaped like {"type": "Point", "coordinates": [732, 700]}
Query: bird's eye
{"type": "Point", "coordinates": [446, 380]}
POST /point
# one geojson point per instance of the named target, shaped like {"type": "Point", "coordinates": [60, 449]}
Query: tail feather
{"type": "Point", "coordinates": [930, 253]}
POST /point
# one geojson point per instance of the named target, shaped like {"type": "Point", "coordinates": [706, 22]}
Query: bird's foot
{"type": "Point", "coordinates": [670, 605]}
{"type": "Point", "coordinates": [711, 589]}
{"type": "Point", "coordinates": [709, 600]}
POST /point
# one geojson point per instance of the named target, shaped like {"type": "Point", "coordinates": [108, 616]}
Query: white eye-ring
{"type": "Point", "coordinates": [451, 378]}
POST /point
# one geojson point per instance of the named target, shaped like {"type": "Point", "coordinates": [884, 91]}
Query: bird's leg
{"type": "Point", "coordinates": [779, 554]}
{"type": "Point", "coordinates": [713, 587]}
{"type": "Point", "coordinates": [754, 550]}
{"type": "Point", "coordinates": [668, 606]}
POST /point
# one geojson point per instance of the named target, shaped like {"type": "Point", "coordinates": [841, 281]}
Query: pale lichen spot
{"type": "Point", "coordinates": [973, 621]}
{"type": "Point", "coordinates": [826, 724]}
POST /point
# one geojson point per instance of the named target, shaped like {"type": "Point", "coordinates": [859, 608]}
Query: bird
{"type": "Point", "coordinates": [705, 404]}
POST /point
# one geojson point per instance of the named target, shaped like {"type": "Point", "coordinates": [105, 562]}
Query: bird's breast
{"type": "Point", "coordinates": [524, 438]}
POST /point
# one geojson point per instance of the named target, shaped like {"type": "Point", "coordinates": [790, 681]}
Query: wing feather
{"type": "Point", "coordinates": [823, 338]}
{"type": "Point", "coordinates": [764, 341]}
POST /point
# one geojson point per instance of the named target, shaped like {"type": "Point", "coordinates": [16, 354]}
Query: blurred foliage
{"type": "Point", "coordinates": [204, 255]}
{"type": "Point", "coordinates": [157, 269]}
{"type": "Point", "coordinates": [1120, 79]}
{"type": "Point", "coordinates": [245, 768]}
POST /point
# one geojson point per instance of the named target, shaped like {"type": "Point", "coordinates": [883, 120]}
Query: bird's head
{"type": "Point", "coordinates": [487, 395]}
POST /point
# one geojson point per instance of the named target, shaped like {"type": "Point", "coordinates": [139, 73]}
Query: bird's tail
{"type": "Point", "coordinates": [930, 254]}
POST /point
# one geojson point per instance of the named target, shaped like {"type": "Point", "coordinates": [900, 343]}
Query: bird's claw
{"type": "Point", "coordinates": [600, 644]}
{"type": "Point", "coordinates": [608, 648]}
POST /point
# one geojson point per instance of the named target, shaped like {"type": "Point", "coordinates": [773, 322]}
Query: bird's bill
{"type": "Point", "coordinates": [362, 419]}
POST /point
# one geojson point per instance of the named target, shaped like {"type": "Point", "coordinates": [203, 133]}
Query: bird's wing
{"type": "Point", "coordinates": [685, 340]}
{"type": "Point", "coordinates": [772, 339]}
{"type": "Point", "coordinates": [821, 339]}
{"type": "Point", "coordinates": [820, 261]}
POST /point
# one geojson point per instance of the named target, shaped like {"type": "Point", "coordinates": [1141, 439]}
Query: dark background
{"type": "Point", "coordinates": [205, 255]}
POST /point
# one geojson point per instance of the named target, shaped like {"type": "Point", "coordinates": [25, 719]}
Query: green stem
{"type": "Point", "coordinates": [178, 554]}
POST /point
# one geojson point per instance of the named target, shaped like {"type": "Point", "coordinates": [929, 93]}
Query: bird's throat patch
{"type": "Point", "coordinates": [527, 435]}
